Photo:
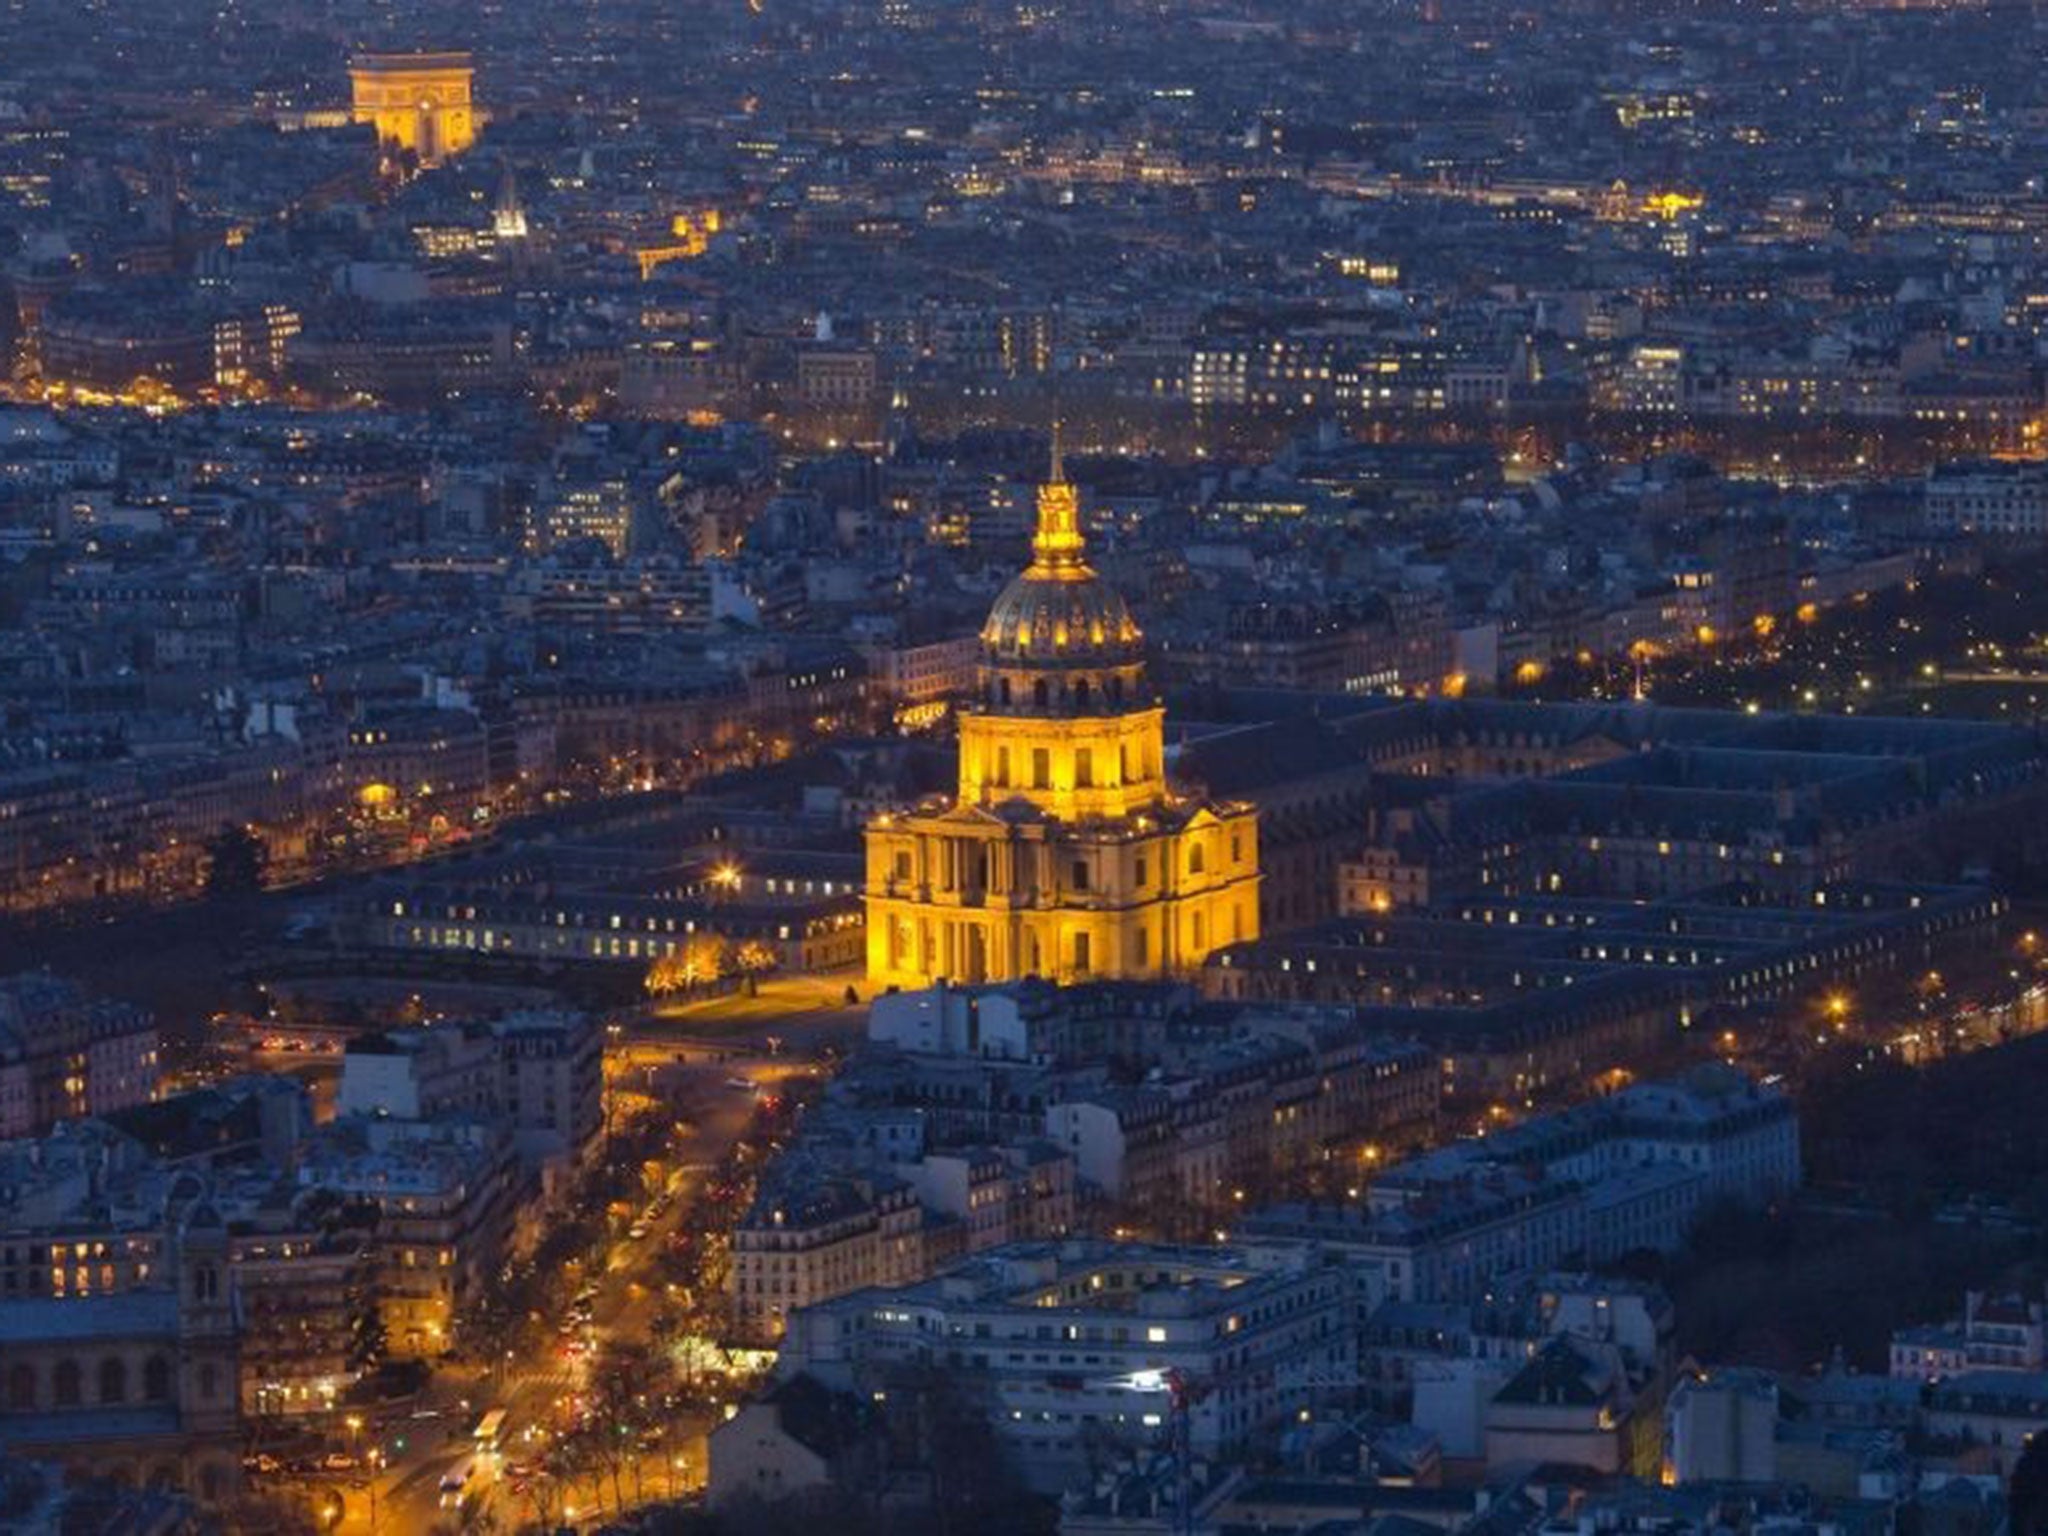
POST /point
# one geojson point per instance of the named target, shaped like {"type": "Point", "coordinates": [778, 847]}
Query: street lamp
{"type": "Point", "coordinates": [376, 1459]}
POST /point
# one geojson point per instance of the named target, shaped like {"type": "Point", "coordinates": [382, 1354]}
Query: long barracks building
{"type": "Point", "coordinates": [1368, 804]}
{"type": "Point", "coordinates": [1520, 993]}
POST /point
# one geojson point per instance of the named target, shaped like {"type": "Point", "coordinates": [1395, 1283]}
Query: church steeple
{"type": "Point", "coordinates": [508, 215]}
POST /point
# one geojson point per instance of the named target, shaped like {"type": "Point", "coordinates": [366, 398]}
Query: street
{"type": "Point", "coordinates": [427, 1440]}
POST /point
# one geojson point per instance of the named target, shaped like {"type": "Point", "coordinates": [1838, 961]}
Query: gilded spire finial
{"type": "Point", "coordinates": [1056, 544]}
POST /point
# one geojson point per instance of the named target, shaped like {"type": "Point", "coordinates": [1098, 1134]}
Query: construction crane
{"type": "Point", "coordinates": [1182, 1393]}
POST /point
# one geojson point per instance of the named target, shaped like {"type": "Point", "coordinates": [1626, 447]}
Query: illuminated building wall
{"type": "Point", "coordinates": [253, 346]}
{"type": "Point", "coordinates": [689, 237]}
{"type": "Point", "coordinates": [603, 509]}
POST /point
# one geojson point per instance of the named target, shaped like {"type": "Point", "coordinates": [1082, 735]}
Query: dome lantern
{"type": "Point", "coordinates": [1059, 639]}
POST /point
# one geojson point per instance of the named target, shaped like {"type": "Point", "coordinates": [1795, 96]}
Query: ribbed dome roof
{"type": "Point", "coordinates": [1058, 613]}
{"type": "Point", "coordinates": [1069, 621]}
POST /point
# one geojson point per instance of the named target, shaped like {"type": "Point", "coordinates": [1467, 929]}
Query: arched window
{"type": "Point", "coordinates": [113, 1380]}
{"type": "Point", "coordinates": [67, 1386]}
{"type": "Point", "coordinates": [21, 1386]}
{"type": "Point", "coordinates": [1081, 694]}
{"type": "Point", "coordinates": [156, 1379]}
{"type": "Point", "coordinates": [1116, 690]}
{"type": "Point", "coordinates": [206, 1283]}
{"type": "Point", "coordinates": [1038, 694]}
{"type": "Point", "coordinates": [1003, 690]}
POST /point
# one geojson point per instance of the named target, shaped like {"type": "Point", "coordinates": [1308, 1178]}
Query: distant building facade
{"type": "Point", "coordinates": [137, 1384]}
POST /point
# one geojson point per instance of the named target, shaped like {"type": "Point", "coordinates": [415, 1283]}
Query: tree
{"type": "Point", "coordinates": [973, 1487]}
{"type": "Point", "coordinates": [2027, 1495]}
{"type": "Point", "coordinates": [367, 1341]}
{"type": "Point", "coordinates": [273, 1514]}
{"type": "Point", "coordinates": [687, 1520]}
{"type": "Point", "coordinates": [472, 1518]}
{"type": "Point", "coordinates": [235, 861]}
{"type": "Point", "coordinates": [565, 1463]}
{"type": "Point", "coordinates": [704, 957]}
{"type": "Point", "coordinates": [344, 1219]}
{"type": "Point", "coordinates": [629, 1385]}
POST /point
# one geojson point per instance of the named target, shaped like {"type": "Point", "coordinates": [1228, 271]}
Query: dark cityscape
{"type": "Point", "coordinates": [1023, 768]}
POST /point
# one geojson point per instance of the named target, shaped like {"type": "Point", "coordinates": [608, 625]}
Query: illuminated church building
{"type": "Point", "coordinates": [1066, 853]}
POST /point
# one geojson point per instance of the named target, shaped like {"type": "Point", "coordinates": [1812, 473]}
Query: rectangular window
{"type": "Point", "coordinates": [1041, 768]}
{"type": "Point", "coordinates": [1080, 880]}
{"type": "Point", "coordinates": [1081, 957]}
{"type": "Point", "coordinates": [1084, 768]}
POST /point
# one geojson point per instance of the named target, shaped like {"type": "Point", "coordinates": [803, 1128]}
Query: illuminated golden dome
{"type": "Point", "coordinates": [1058, 615]}
{"type": "Point", "coordinates": [1084, 623]}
